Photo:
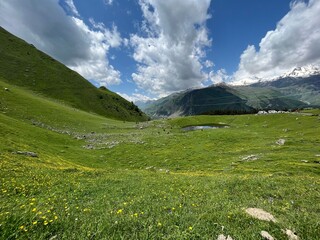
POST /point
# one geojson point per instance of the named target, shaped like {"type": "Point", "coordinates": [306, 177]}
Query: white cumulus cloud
{"type": "Point", "coordinates": [294, 43]}
{"type": "Point", "coordinates": [66, 37]}
{"type": "Point", "coordinates": [219, 77]}
{"type": "Point", "coordinates": [136, 97]}
{"type": "Point", "coordinates": [170, 53]}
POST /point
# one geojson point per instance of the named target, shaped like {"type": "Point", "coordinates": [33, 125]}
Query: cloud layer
{"type": "Point", "coordinates": [295, 42]}
{"type": "Point", "coordinates": [171, 54]}
{"type": "Point", "coordinates": [65, 37]}
{"type": "Point", "coordinates": [136, 97]}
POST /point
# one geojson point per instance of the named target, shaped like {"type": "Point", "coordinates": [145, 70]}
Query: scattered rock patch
{"type": "Point", "coordinates": [96, 141]}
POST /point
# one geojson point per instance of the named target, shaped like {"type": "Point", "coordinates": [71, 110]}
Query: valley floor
{"type": "Point", "coordinates": [96, 178]}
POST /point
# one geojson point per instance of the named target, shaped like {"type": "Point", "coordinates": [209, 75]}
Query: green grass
{"type": "Point", "coordinates": [152, 180]}
{"type": "Point", "coordinates": [311, 111]}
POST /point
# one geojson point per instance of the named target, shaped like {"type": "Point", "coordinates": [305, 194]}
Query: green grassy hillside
{"type": "Point", "coordinates": [264, 98]}
{"type": "Point", "coordinates": [303, 89]}
{"type": "Point", "coordinates": [199, 101]}
{"type": "Point", "coordinates": [23, 65]}
{"type": "Point", "coordinates": [96, 178]}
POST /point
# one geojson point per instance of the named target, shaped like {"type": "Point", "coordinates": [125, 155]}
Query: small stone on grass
{"type": "Point", "coordinates": [266, 235]}
{"type": "Point", "coordinates": [260, 214]}
{"type": "Point", "coordinates": [223, 237]}
{"type": "Point", "coordinates": [250, 158]}
{"type": "Point", "coordinates": [281, 142]}
{"type": "Point", "coordinates": [29, 154]}
{"type": "Point", "coordinates": [291, 235]}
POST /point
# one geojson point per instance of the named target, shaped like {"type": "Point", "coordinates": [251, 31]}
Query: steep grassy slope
{"type": "Point", "coordinates": [199, 101]}
{"type": "Point", "coordinates": [264, 98]}
{"type": "Point", "coordinates": [23, 65]}
{"type": "Point", "coordinates": [221, 99]}
{"type": "Point", "coordinates": [96, 178]}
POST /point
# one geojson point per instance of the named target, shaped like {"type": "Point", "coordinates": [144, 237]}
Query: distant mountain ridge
{"type": "Point", "coordinates": [23, 65]}
{"type": "Point", "coordinates": [281, 94]}
{"type": "Point", "coordinates": [305, 89]}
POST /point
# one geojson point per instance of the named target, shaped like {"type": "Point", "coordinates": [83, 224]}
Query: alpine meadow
{"type": "Point", "coordinates": [222, 162]}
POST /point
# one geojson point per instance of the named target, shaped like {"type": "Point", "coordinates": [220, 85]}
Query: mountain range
{"type": "Point", "coordinates": [297, 89]}
{"type": "Point", "coordinates": [21, 64]}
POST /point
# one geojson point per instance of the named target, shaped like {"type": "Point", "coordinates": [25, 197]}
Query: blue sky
{"type": "Point", "coordinates": [146, 49]}
{"type": "Point", "coordinates": [235, 25]}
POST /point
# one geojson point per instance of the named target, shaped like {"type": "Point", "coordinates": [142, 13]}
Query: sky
{"type": "Point", "coordinates": [147, 49]}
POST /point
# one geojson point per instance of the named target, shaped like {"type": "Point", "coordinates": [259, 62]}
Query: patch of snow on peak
{"type": "Point", "coordinates": [246, 81]}
{"type": "Point", "coordinates": [302, 72]}
{"type": "Point", "coordinates": [296, 72]}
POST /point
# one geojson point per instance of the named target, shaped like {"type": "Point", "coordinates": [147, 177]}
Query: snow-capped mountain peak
{"type": "Point", "coordinates": [302, 72]}
{"type": "Point", "coordinates": [295, 73]}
